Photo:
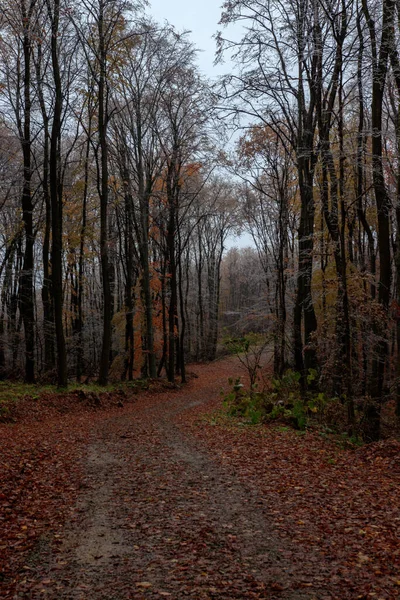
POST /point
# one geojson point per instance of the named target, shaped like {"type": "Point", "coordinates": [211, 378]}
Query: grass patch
{"type": "Point", "coordinates": [12, 393]}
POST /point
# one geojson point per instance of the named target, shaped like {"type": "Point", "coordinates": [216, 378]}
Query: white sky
{"type": "Point", "coordinates": [198, 16]}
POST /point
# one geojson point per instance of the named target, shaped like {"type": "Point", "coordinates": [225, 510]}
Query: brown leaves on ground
{"type": "Point", "coordinates": [160, 500]}
{"type": "Point", "coordinates": [39, 478]}
{"type": "Point", "coordinates": [337, 508]}
{"type": "Point", "coordinates": [41, 443]}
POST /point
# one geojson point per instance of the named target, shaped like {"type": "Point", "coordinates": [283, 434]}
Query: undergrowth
{"type": "Point", "coordinates": [280, 399]}
{"type": "Point", "coordinates": [13, 392]}
{"type": "Point", "coordinates": [283, 401]}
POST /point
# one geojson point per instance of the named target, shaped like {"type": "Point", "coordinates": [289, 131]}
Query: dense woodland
{"type": "Point", "coordinates": [123, 173]}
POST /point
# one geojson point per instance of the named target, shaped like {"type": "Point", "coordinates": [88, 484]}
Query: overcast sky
{"type": "Point", "coordinates": [201, 18]}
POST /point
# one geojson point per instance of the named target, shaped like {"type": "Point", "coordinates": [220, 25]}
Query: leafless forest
{"type": "Point", "coordinates": [124, 172]}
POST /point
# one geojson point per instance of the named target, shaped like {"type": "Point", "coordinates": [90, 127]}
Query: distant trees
{"type": "Point", "coordinates": [245, 306]}
{"type": "Point", "coordinates": [215, 217]}
{"type": "Point", "coordinates": [270, 192]}
{"type": "Point", "coordinates": [276, 83]}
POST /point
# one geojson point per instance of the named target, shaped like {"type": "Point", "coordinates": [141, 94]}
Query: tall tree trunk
{"type": "Point", "coordinates": [173, 304]}
{"type": "Point", "coordinates": [48, 316]}
{"type": "Point", "coordinates": [104, 258]}
{"type": "Point", "coordinates": [56, 199]}
{"type": "Point", "coordinates": [129, 298]}
{"type": "Point", "coordinates": [163, 361]}
{"type": "Point", "coordinates": [146, 287]}
{"type": "Point", "coordinates": [305, 356]}
{"type": "Point", "coordinates": [82, 239]}
{"type": "Point", "coordinates": [26, 278]}
{"type": "Point", "coordinates": [280, 343]}
{"type": "Point", "coordinates": [395, 63]}
{"type": "Point", "coordinates": [379, 74]}
{"type": "Point", "coordinates": [182, 329]}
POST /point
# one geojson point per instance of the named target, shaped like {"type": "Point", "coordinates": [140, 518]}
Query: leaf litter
{"type": "Point", "coordinates": [157, 499]}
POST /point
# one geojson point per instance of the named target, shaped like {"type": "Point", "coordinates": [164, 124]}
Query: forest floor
{"type": "Point", "coordinates": [165, 497]}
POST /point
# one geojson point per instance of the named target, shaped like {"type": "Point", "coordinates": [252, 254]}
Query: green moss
{"type": "Point", "coordinates": [13, 391]}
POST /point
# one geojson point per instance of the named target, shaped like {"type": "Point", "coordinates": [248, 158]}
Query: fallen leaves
{"type": "Point", "coordinates": [38, 480]}
{"type": "Point", "coordinates": [338, 508]}
{"type": "Point", "coordinates": [207, 509]}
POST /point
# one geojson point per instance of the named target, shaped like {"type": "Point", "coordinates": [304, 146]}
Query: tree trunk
{"type": "Point", "coordinates": [26, 278]}
{"type": "Point", "coordinates": [104, 258]}
{"type": "Point", "coordinates": [47, 300]}
{"type": "Point", "coordinates": [379, 73]}
{"type": "Point", "coordinates": [56, 200]}
{"type": "Point", "coordinates": [173, 305]}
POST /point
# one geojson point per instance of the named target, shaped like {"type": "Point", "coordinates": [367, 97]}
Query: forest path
{"type": "Point", "coordinates": [158, 517]}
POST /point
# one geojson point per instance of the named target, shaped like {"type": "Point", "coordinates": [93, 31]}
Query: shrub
{"type": "Point", "coordinates": [242, 403]}
{"type": "Point", "coordinates": [283, 401]}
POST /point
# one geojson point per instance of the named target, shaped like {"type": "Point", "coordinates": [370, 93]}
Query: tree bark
{"type": "Point", "coordinates": [104, 257]}
{"type": "Point", "coordinates": [26, 278]}
{"type": "Point", "coordinates": [56, 199]}
{"type": "Point", "coordinates": [379, 75]}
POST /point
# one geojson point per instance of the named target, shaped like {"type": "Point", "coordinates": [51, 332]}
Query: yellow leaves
{"type": "Point", "coordinates": [119, 321]}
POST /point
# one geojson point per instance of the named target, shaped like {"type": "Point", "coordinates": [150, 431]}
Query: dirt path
{"type": "Point", "coordinates": [158, 518]}
{"type": "Point", "coordinates": [170, 506]}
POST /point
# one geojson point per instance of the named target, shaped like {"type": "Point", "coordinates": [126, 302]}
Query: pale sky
{"type": "Point", "coordinates": [201, 18]}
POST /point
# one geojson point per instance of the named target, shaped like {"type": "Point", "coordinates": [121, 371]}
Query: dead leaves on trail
{"type": "Point", "coordinates": [38, 484]}
{"type": "Point", "coordinates": [191, 495]}
{"type": "Point", "coordinates": [337, 509]}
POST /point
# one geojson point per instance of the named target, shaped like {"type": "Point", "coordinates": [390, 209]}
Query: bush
{"type": "Point", "coordinates": [283, 402]}
{"type": "Point", "coordinates": [242, 403]}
